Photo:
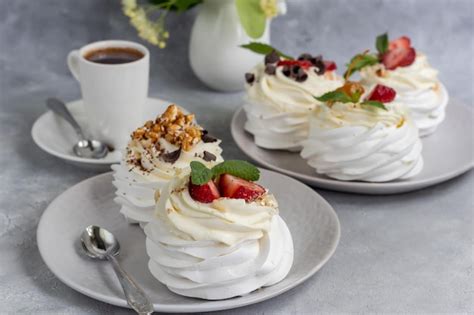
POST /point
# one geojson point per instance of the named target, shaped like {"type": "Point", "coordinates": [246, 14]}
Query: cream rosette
{"type": "Point", "coordinates": [216, 250]}
{"type": "Point", "coordinates": [417, 87]}
{"type": "Point", "coordinates": [278, 106]}
{"type": "Point", "coordinates": [348, 141]}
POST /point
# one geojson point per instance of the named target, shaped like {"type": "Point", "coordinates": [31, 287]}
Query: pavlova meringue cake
{"type": "Point", "coordinates": [156, 153]}
{"type": "Point", "coordinates": [280, 97]}
{"type": "Point", "coordinates": [216, 234]}
{"type": "Point", "coordinates": [406, 70]}
{"type": "Point", "coordinates": [370, 140]}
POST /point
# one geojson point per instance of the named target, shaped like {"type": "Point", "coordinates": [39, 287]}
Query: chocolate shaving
{"type": "Point", "coordinates": [208, 156]}
{"type": "Point", "coordinates": [171, 157]}
{"type": "Point", "coordinates": [206, 138]}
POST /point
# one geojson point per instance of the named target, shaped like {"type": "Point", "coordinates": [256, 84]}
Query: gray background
{"type": "Point", "coordinates": [405, 253]}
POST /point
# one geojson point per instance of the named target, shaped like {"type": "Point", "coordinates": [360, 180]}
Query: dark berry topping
{"type": "Point", "coordinates": [286, 71]}
{"type": "Point", "coordinates": [270, 69]}
{"type": "Point", "coordinates": [305, 56]}
{"type": "Point", "coordinates": [272, 57]}
{"type": "Point", "coordinates": [249, 77]}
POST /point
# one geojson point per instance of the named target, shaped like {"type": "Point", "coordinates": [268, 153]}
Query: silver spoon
{"type": "Point", "coordinates": [98, 243]}
{"type": "Point", "coordinates": [84, 147]}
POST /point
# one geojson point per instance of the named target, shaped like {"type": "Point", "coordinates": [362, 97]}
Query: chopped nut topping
{"type": "Point", "coordinates": [173, 125]}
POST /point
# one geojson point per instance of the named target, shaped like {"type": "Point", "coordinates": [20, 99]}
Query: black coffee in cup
{"type": "Point", "coordinates": [113, 55]}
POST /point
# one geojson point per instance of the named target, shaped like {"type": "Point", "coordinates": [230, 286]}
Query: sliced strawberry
{"type": "Point", "coordinates": [330, 65]}
{"type": "Point", "coordinates": [205, 193]}
{"type": "Point", "coordinates": [305, 64]}
{"type": "Point", "coordinates": [398, 57]}
{"type": "Point", "coordinates": [382, 94]}
{"type": "Point", "coordinates": [238, 188]}
{"type": "Point", "coordinates": [402, 42]}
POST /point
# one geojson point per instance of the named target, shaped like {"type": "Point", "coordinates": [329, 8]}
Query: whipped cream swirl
{"type": "Point", "coordinates": [217, 250]}
{"type": "Point", "coordinates": [350, 142]}
{"type": "Point", "coordinates": [143, 172]}
{"type": "Point", "coordinates": [278, 107]}
{"type": "Point", "coordinates": [417, 86]}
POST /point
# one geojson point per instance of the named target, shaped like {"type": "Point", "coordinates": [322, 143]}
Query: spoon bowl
{"type": "Point", "coordinates": [91, 149]}
{"type": "Point", "coordinates": [98, 243]}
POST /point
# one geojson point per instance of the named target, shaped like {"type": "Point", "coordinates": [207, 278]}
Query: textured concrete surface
{"type": "Point", "coordinates": [406, 253]}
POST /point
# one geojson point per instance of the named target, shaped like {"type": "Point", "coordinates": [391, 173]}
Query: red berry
{"type": "Point", "coordinates": [205, 193]}
{"type": "Point", "coordinates": [402, 42]}
{"type": "Point", "coordinates": [382, 94]}
{"type": "Point", "coordinates": [330, 65]}
{"type": "Point", "coordinates": [238, 188]}
{"type": "Point", "coordinates": [399, 57]}
{"type": "Point", "coordinates": [305, 64]}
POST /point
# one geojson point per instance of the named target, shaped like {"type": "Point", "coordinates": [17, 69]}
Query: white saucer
{"type": "Point", "coordinates": [447, 153]}
{"type": "Point", "coordinates": [312, 221]}
{"type": "Point", "coordinates": [55, 136]}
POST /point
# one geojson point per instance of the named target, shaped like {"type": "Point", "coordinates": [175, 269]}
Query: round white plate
{"type": "Point", "coordinates": [447, 153]}
{"type": "Point", "coordinates": [55, 136]}
{"type": "Point", "coordinates": [312, 221]}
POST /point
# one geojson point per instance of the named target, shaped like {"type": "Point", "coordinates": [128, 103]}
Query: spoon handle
{"type": "Point", "coordinates": [60, 108]}
{"type": "Point", "coordinates": [135, 296]}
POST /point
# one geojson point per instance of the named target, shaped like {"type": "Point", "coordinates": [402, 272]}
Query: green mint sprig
{"type": "Point", "coordinates": [264, 49]}
{"type": "Point", "coordinates": [200, 174]}
{"type": "Point", "coordinates": [334, 96]}
{"type": "Point", "coordinates": [381, 43]}
{"type": "Point", "coordinates": [342, 97]}
{"type": "Point", "coordinates": [358, 62]}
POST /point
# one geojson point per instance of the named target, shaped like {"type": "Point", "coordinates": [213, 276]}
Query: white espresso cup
{"type": "Point", "coordinates": [114, 95]}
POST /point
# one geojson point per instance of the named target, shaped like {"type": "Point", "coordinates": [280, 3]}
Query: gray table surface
{"type": "Point", "coordinates": [403, 253]}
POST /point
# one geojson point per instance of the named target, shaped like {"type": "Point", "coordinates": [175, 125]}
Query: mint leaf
{"type": "Point", "coordinates": [200, 174]}
{"type": "Point", "coordinates": [334, 96]}
{"type": "Point", "coordinates": [238, 168]}
{"type": "Point", "coordinates": [381, 43]}
{"type": "Point", "coordinates": [374, 104]}
{"type": "Point", "coordinates": [358, 62]}
{"type": "Point", "coordinates": [251, 17]}
{"type": "Point", "coordinates": [264, 49]}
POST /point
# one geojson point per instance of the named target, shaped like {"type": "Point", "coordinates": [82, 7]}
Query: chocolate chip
{"type": "Point", "coordinates": [305, 56]}
{"type": "Point", "coordinates": [272, 57]}
{"type": "Point", "coordinates": [249, 77]}
{"type": "Point", "coordinates": [171, 157]}
{"type": "Point", "coordinates": [208, 156]}
{"type": "Point", "coordinates": [270, 69]}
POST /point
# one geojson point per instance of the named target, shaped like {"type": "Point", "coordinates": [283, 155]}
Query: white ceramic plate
{"type": "Point", "coordinates": [447, 153]}
{"type": "Point", "coordinates": [312, 221]}
{"type": "Point", "coordinates": [55, 136]}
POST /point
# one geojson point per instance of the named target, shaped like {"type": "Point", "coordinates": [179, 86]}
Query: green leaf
{"type": "Point", "coordinates": [382, 43]}
{"type": "Point", "coordinates": [238, 168]}
{"type": "Point", "coordinates": [200, 174]}
{"type": "Point", "coordinates": [251, 17]}
{"type": "Point", "coordinates": [334, 96]}
{"type": "Point", "coordinates": [264, 49]}
{"type": "Point", "coordinates": [374, 104]}
{"type": "Point", "coordinates": [358, 62]}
